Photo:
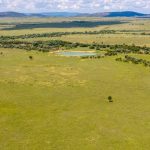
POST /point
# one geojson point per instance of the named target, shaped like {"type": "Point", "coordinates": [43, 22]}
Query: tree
{"type": "Point", "coordinates": [30, 57]}
{"type": "Point", "coordinates": [110, 98]}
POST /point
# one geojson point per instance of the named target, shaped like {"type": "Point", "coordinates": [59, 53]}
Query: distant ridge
{"type": "Point", "coordinates": [11, 14]}
{"type": "Point", "coordinates": [118, 14]}
{"type": "Point", "coordinates": [74, 14]}
{"type": "Point", "coordinates": [45, 14]}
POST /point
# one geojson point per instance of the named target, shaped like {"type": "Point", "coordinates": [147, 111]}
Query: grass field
{"type": "Point", "coordinates": [60, 103]}
{"type": "Point", "coordinates": [140, 40]}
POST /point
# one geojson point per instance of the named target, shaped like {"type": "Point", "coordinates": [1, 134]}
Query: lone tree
{"type": "Point", "coordinates": [30, 57]}
{"type": "Point", "coordinates": [110, 98]}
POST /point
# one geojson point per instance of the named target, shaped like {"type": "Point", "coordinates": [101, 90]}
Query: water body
{"type": "Point", "coordinates": [77, 53]}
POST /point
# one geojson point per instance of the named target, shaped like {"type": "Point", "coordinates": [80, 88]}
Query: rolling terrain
{"type": "Point", "coordinates": [74, 14]}
{"type": "Point", "coordinates": [53, 102]}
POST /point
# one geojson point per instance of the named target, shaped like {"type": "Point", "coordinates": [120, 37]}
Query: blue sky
{"type": "Point", "coordinates": [74, 5]}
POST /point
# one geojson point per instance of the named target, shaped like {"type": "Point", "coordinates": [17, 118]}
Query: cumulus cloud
{"type": "Point", "coordinates": [74, 5]}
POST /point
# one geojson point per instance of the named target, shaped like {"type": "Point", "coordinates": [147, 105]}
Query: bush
{"type": "Point", "coordinates": [31, 57]}
{"type": "Point", "coordinates": [110, 98]}
{"type": "Point", "coordinates": [92, 47]}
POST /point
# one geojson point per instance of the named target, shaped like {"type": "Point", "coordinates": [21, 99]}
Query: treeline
{"type": "Point", "coordinates": [144, 33]}
{"type": "Point", "coordinates": [55, 34]}
{"type": "Point", "coordinates": [59, 34]}
{"type": "Point", "coordinates": [134, 60]}
{"type": "Point", "coordinates": [97, 56]}
{"type": "Point", "coordinates": [121, 48]}
{"type": "Point", "coordinates": [58, 44]}
{"type": "Point", "coordinates": [44, 46]}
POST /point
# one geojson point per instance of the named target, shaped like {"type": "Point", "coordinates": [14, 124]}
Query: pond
{"type": "Point", "coordinates": [63, 53]}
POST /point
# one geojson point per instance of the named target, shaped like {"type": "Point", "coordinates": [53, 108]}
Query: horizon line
{"type": "Point", "coordinates": [71, 12]}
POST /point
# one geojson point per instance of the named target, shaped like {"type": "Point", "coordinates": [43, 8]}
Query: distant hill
{"type": "Point", "coordinates": [117, 14]}
{"type": "Point", "coordinates": [47, 14]}
{"type": "Point", "coordinates": [74, 14]}
{"type": "Point", "coordinates": [11, 14]}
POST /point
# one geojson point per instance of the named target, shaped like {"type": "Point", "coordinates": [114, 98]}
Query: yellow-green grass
{"type": "Point", "coordinates": [134, 25]}
{"type": "Point", "coordinates": [47, 20]}
{"type": "Point", "coordinates": [60, 19]}
{"type": "Point", "coordinates": [131, 24]}
{"type": "Point", "coordinates": [60, 103]}
{"type": "Point", "coordinates": [56, 19]}
{"type": "Point", "coordinates": [46, 30]}
{"type": "Point", "coordinates": [129, 39]}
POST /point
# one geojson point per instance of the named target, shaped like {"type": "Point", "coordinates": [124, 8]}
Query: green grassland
{"type": "Point", "coordinates": [55, 102]}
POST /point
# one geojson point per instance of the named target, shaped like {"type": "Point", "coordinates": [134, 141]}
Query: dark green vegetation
{"type": "Point", "coordinates": [110, 99]}
{"type": "Point", "coordinates": [54, 102]}
{"type": "Point", "coordinates": [59, 34]}
{"type": "Point", "coordinates": [52, 45]}
{"type": "Point", "coordinates": [56, 34]}
{"type": "Point", "coordinates": [134, 60]}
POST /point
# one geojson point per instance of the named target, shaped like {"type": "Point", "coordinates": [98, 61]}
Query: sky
{"type": "Point", "coordinates": [86, 6]}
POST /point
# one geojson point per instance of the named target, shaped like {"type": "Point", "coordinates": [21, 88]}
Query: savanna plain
{"type": "Point", "coordinates": [54, 102]}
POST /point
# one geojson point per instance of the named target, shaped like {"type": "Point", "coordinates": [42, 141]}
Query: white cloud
{"type": "Point", "coordinates": [74, 5]}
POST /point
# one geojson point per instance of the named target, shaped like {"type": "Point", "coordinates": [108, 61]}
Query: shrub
{"type": "Point", "coordinates": [110, 98]}
{"type": "Point", "coordinates": [92, 47]}
{"type": "Point", "coordinates": [31, 57]}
